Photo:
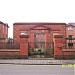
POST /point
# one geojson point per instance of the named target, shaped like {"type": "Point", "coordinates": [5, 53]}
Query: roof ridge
{"type": "Point", "coordinates": [36, 23]}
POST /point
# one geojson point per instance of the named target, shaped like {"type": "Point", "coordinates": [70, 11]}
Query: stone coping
{"type": "Point", "coordinates": [69, 50]}
{"type": "Point", "coordinates": [9, 50]}
{"type": "Point", "coordinates": [23, 36]}
{"type": "Point", "coordinates": [58, 36]}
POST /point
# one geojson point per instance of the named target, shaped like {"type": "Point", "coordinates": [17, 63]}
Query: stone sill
{"type": "Point", "coordinates": [68, 49]}
{"type": "Point", "coordinates": [9, 50]}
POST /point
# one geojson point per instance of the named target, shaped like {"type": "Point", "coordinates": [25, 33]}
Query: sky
{"type": "Point", "coordinates": [12, 11]}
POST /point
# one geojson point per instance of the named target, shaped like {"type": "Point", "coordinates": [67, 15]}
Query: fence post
{"type": "Point", "coordinates": [24, 45]}
{"type": "Point", "coordinates": [58, 46]}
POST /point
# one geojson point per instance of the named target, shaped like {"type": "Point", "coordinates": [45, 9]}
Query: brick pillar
{"type": "Point", "coordinates": [24, 46]}
{"type": "Point", "coordinates": [58, 44]}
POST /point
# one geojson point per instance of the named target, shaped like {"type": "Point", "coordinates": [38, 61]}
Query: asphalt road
{"type": "Point", "coordinates": [11, 69]}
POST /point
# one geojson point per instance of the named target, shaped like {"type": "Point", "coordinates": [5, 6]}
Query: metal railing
{"type": "Point", "coordinates": [69, 46]}
{"type": "Point", "coordinates": [9, 45]}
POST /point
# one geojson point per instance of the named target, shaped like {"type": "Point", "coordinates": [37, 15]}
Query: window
{"type": "Point", "coordinates": [70, 28]}
{"type": "Point", "coordinates": [23, 33]}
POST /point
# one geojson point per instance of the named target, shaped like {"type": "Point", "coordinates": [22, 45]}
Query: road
{"type": "Point", "coordinates": [14, 69]}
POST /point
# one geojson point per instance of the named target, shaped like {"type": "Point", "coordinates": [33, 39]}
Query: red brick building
{"type": "Point", "coordinates": [3, 32]}
{"type": "Point", "coordinates": [38, 31]}
{"type": "Point", "coordinates": [70, 31]}
{"type": "Point", "coordinates": [40, 35]}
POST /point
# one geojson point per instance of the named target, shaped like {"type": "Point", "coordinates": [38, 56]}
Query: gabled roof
{"type": "Point", "coordinates": [1, 22]}
{"type": "Point", "coordinates": [70, 24]}
{"type": "Point", "coordinates": [41, 27]}
{"type": "Point", "coordinates": [4, 24]}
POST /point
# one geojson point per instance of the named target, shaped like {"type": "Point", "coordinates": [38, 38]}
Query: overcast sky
{"type": "Point", "coordinates": [36, 11]}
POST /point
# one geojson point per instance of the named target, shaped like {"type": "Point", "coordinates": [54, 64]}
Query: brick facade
{"type": "Point", "coordinates": [40, 36]}
{"type": "Point", "coordinates": [48, 28]}
{"type": "Point", "coordinates": [3, 32]}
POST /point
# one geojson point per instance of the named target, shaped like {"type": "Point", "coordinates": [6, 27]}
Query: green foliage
{"type": "Point", "coordinates": [37, 49]}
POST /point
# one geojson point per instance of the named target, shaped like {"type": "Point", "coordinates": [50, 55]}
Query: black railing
{"type": "Point", "coordinates": [69, 46]}
{"type": "Point", "coordinates": [9, 45]}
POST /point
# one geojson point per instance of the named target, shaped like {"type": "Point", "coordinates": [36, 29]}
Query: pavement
{"type": "Point", "coordinates": [36, 61]}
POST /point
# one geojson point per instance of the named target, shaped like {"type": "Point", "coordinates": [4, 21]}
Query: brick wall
{"type": "Point", "coordinates": [68, 53]}
{"type": "Point", "coordinates": [9, 54]}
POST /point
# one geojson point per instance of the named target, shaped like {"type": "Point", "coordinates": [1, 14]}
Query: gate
{"type": "Point", "coordinates": [41, 50]}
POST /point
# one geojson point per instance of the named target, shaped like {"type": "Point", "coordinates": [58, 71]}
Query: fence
{"type": "Point", "coordinates": [9, 45]}
{"type": "Point", "coordinates": [69, 46]}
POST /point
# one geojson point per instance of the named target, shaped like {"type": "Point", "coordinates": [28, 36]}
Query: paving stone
{"type": "Point", "coordinates": [36, 61]}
